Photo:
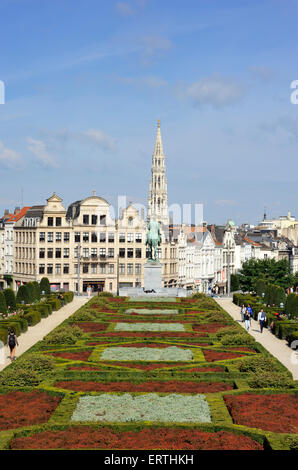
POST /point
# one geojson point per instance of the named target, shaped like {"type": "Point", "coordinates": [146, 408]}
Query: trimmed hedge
{"type": "Point", "coordinates": [10, 299]}
{"type": "Point", "coordinates": [3, 307]}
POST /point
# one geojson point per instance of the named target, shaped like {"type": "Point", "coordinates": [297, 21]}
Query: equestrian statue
{"type": "Point", "coordinates": [153, 239]}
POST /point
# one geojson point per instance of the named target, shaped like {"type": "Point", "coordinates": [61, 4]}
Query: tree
{"type": "Point", "coordinates": [36, 290]}
{"type": "Point", "coordinates": [10, 298]}
{"type": "Point", "coordinates": [269, 270]}
{"type": "Point", "coordinates": [260, 287]}
{"type": "Point", "coordinates": [235, 282]}
{"type": "Point", "coordinates": [45, 286]}
{"type": "Point", "coordinates": [23, 294]}
{"type": "Point", "coordinates": [3, 307]}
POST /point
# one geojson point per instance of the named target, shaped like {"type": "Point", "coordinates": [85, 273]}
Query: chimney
{"type": "Point", "coordinates": [17, 210]}
{"type": "Point", "coordinates": [6, 212]}
{"type": "Point", "coordinates": [94, 192]}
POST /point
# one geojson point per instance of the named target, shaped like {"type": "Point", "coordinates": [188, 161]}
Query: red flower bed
{"type": "Point", "coordinates": [242, 348]}
{"type": "Point", "coordinates": [76, 356]}
{"type": "Point", "coordinates": [212, 356]}
{"type": "Point", "coordinates": [91, 326]}
{"type": "Point", "coordinates": [208, 328]}
{"type": "Point", "coordinates": [274, 412]}
{"type": "Point", "coordinates": [151, 334]}
{"type": "Point", "coordinates": [171, 386]}
{"type": "Point", "coordinates": [84, 437]}
{"type": "Point", "coordinates": [20, 409]}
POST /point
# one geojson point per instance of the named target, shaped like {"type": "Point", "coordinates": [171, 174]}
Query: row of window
{"type": "Point", "coordinates": [93, 237]}
{"type": "Point", "coordinates": [92, 269]}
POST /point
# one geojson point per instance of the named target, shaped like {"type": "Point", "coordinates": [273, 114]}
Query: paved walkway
{"type": "Point", "coordinates": [37, 332]}
{"type": "Point", "coordinates": [277, 347]}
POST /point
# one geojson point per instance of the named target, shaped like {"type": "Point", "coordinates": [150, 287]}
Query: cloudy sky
{"type": "Point", "coordinates": [86, 81]}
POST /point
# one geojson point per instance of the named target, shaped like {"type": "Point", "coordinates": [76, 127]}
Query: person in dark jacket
{"type": "Point", "coordinates": [12, 342]}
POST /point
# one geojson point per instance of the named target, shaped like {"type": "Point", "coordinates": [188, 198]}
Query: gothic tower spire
{"type": "Point", "coordinates": [158, 192]}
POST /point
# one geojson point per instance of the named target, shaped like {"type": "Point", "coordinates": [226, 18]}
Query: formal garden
{"type": "Point", "coordinates": [32, 302]}
{"type": "Point", "coordinates": [164, 374]}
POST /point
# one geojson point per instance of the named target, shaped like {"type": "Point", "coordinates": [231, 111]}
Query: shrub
{"type": "Point", "coordinates": [43, 309]}
{"type": "Point", "coordinates": [241, 339]}
{"type": "Point", "coordinates": [44, 285]}
{"type": "Point", "coordinates": [13, 325]}
{"type": "Point", "coordinates": [33, 317]}
{"type": "Point", "coordinates": [293, 336]}
{"type": "Point", "coordinates": [55, 303]}
{"type": "Point", "coordinates": [23, 294]}
{"type": "Point", "coordinates": [3, 333]}
{"type": "Point", "coordinates": [13, 377]}
{"type": "Point", "coordinates": [36, 290]}
{"type": "Point", "coordinates": [258, 363]}
{"type": "Point", "coordinates": [291, 307]}
{"type": "Point", "coordinates": [35, 362]}
{"type": "Point", "coordinates": [49, 307]}
{"type": "Point", "coordinates": [230, 330]}
{"type": "Point", "coordinates": [3, 307]}
{"type": "Point", "coordinates": [31, 292]}
{"type": "Point", "coordinates": [83, 316]}
{"type": "Point", "coordinates": [269, 379]}
{"type": "Point", "coordinates": [292, 442]}
{"type": "Point", "coordinates": [66, 334]}
{"type": "Point", "coordinates": [10, 299]}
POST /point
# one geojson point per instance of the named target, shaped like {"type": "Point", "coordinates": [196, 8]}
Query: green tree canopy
{"type": "Point", "coordinates": [268, 270]}
{"type": "Point", "coordinates": [45, 286]}
{"type": "Point", "coordinates": [3, 308]}
{"type": "Point", "coordinates": [10, 298]}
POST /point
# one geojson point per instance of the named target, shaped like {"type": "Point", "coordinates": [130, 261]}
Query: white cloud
{"type": "Point", "coordinates": [7, 156]}
{"type": "Point", "coordinates": [100, 138]}
{"type": "Point", "coordinates": [216, 91]}
{"type": "Point", "coordinates": [150, 81]}
{"type": "Point", "coordinates": [39, 149]}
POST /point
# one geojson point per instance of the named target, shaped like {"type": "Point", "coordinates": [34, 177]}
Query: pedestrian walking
{"type": "Point", "coordinates": [242, 312]}
{"type": "Point", "coordinates": [250, 311]}
{"type": "Point", "coordinates": [12, 342]}
{"type": "Point", "coordinates": [247, 320]}
{"type": "Point", "coordinates": [261, 319]}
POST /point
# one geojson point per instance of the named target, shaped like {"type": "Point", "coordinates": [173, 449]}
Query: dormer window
{"type": "Point", "coordinates": [50, 221]}
{"type": "Point", "coordinates": [130, 221]}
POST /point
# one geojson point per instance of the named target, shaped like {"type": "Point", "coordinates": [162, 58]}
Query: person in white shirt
{"type": "Point", "coordinates": [261, 319]}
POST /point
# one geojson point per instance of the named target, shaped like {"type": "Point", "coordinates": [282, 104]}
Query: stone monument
{"type": "Point", "coordinates": [152, 267]}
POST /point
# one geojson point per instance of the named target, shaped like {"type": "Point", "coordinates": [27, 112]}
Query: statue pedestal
{"type": "Point", "coordinates": [152, 275]}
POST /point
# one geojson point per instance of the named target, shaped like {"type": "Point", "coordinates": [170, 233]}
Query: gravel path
{"type": "Point", "coordinates": [37, 332]}
{"type": "Point", "coordinates": [277, 347]}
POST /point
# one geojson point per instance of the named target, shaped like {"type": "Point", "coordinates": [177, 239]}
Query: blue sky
{"type": "Point", "coordinates": [86, 81]}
